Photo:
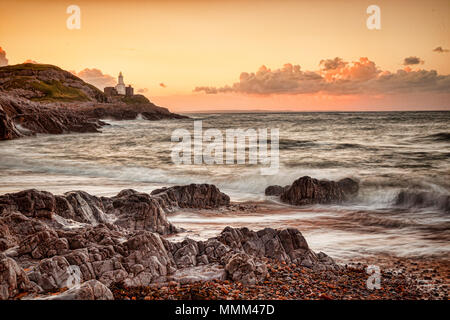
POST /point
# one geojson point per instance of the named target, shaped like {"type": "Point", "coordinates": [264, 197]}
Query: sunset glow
{"type": "Point", "coordinates": [167, 49]}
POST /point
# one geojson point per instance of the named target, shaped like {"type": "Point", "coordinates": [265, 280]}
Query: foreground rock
{"type": "Point", "coordinates": [307, 190]}
{"type": "Point", "coordinates": [12, 278]}
{"type": "Point", "coordinates": [89, 290]}
{"type": "Point", "coordinates": [204, 196]}
{"type": "Point", "coordinates": [87, 244]}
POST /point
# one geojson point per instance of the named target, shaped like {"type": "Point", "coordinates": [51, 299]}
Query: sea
{"type": "Point", "coordinates": [400, 159]}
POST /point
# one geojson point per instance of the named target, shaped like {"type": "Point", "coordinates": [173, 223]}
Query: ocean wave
{"type": "Point", "coordinates": [378, 220]}
{"type": "Point", "coordinates": [422, 199]}
{"type": "Point", "coordinates": [288, 144]}
{"type": "Point", "coordinates": [439, 137]}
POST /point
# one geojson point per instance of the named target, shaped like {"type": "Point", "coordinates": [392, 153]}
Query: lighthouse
{"type": "Point", "coordinates": [120, 87]}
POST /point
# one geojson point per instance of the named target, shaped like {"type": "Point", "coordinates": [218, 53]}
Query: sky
{"type": "Point", "coordinates": [245, 55]}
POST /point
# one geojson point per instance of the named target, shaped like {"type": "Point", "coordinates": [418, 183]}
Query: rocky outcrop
{"type": "Point", "coordinates": [79, 245]}
{"type": "Point", "coordinates": [275, 190]}
{"type": "Point", "coordinates": [246, 269]}
{"type": "Point", "coordinates": [36, 98]}
{"type": "Point", "coordinates": [31, 203]}
{"type": "Point", "coordinates": [12, 278]}
{"type": "Point", "coordinates": [199, 196]}
{"type": "Point", "coordinates": [128, 108]}
{"type": "Point", "coordinates": [349, 187]}
{"type": "Point", "coordinates": [89, 290]}
{"type": "Point", "coordinates": [140, 211]}
{"type": "Point", "coordinates": [21, 117]}
{"type": "Point", "coordinates": [287, 245]}
{"type": "Point", "coordinates": [307, 190]}
{"type": "Point", "coordinates": [8, 130]}
{"type": "Point", "coordinates": [242, 252]}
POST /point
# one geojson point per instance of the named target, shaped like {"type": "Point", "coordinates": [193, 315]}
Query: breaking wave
{"type": "Point", "coordinates": [441, 136]}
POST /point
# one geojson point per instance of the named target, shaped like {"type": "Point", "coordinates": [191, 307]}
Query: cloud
{"type": "Point", "coordinates": [97, 78]}
{"type": "Point", "coordinates": [332, 64]}
{"type": "Point", "coordinates": [440, 50]}
{"type": "Point", "coordinates": [265, 81]}
{"type": "Point", "coordinates": [162, 85]}
{"type": "Point", "coordinates": [3, 60]}
{"type": "Point", "coordinates": [413, 81]}
{"type": "Point", "coordinates": [30, 61]}
{"type": "Point", "coordinates": [412, 61]}
{"type": "Point", "coordinates": [337, 69]}
{"type": "Point", "coordinates": [143, 90]}
{"type": "Point", "coordinates": [335, 77]}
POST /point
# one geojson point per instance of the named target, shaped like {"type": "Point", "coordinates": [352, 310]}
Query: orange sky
{"type": "Point", "coordinates": [189, 44]}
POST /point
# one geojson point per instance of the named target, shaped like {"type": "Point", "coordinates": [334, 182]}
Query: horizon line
{"type": "Point", "coordinates": [304, 111]}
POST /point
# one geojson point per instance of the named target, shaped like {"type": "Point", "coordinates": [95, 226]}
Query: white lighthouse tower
{"type": "Point", "coordinates": [121, 85]}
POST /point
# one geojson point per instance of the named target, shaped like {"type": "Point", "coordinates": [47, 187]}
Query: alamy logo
{"type": "Point", "coordinates": [374, 280]}
{"type": "Point", "coordinates": [374, 20]}
{"type": "Point", "coordinates": [73, 277]}
{"type": "Point", "coordinates": [208, 147]}
{"type": "Point", "coordinates": [74, 20]}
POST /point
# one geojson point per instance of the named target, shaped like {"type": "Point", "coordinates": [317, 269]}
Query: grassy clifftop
{"type": "Point", "coordinates": [47, 83]}
{"type": "Point", "coordinates": [54, 90]}
{"type": "Point", "coordinates": [136, 99]}
{"type": "Point", "coordinates": [31, 66]}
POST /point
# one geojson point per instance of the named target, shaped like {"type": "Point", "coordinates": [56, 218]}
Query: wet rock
{"type": "Point", "coordinates": [130, 210]}
{"type": "Point", "coordinates": [307, 190]}
{"type": "Point", "coordinates": [199, 273]}
{"type": "Point", "coordinates": [15, 228]}
{"type": "Point", "coordinates": [287, 245]}
{"type": "Point", "coordinates": [186, 255]}
{"type": "Point", "coordinates": [8, 130]}
{"type": "Point", "coordinates": [6, 238]}
{"type": "Point", "coordinates": [143, 278]}
{"type": "Point", "coordinates": [31, 203]}
{"type": "Point", "coordinates": [198, 196]}
{"type": "Point", "coordinates": [148, 250]}
{"type": "Point", "coordinates": [52, 273]}
{"type": "Point", "coordinates": [83, 207]}
{"type": "Point", "coordinates": [214, 250]}
{"type": "Point", "coordinates": [118, 240]}
{"type": "Point", "coordinates": [12, 279]}
{"type": "Point", "coordinates": [245, 269]}
{"type": "Point", "coordinates": [89, 290]}
{"type": "Point", "coordinates": [24, 117]}
{"type": "Point", "coordinates": [43, 244]}
{"type": "Point", "coordinates": [81, 259]}
{"type": "Point", "coordinates": [349, 186]}
{"type": "Point", "coordinates": [140, 211]}
{"type": "Point", "coordinates": [274, 190]}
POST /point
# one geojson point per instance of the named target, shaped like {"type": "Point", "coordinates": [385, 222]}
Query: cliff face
{"type": "Point", "coordinates": [39, 98]}
{"type": "Point", "coordinates": [22, 117]}
{"type": "Point", "coordinates": [7, 128]}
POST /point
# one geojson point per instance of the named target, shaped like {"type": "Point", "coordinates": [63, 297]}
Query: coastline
{"type": "Point", "coordinates": [44, 99]}
{"type": "Point", "coordinates": [188, 278]}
